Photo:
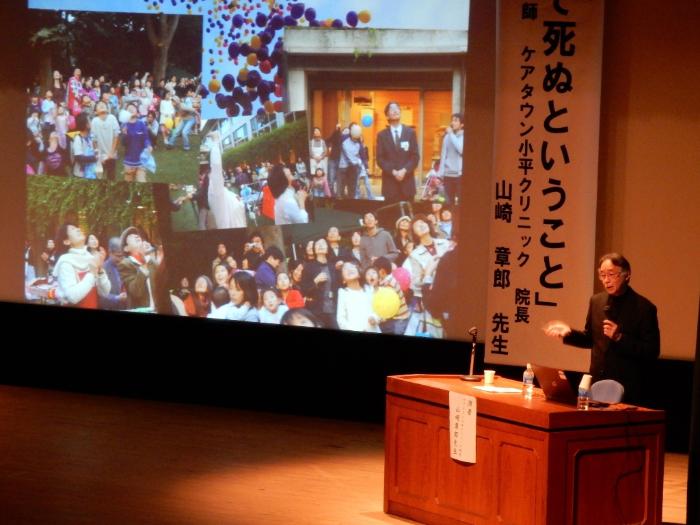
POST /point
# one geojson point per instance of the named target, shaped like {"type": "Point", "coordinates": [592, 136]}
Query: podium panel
{"type": "Point", "coordinates": [537, 462]}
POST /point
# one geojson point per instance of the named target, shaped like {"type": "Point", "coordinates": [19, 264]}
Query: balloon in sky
{"type": "Point", "coordinates": [297, 10]}
{"type": "Point", "coordinates": [228, 82]}
{"type": "Point", "coordinates": [260, 20]}
{"type": "Point", "coordinates": [352, 19]}
{"type": "Point", "coordinates": [238, 20]}
{"type": "Point", "coordinates": [310, 14]}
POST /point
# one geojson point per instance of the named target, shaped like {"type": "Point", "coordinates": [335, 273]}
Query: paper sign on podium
{"type": "Point", "coordinates": [462, 427]}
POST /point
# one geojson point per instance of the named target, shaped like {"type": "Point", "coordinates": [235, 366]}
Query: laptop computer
{"type": "Point", "coordinates": [555, 385]}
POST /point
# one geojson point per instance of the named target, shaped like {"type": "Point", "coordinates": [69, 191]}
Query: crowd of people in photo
{"type": "Point", "coordinates": [339, 164]}
{"type": "Point", "coordinates": [81, 126]}
{"type": "Point", "coordinates": [77, 270]}
{"type": "Point", "coordinates": [367, 280]}
{"type": "Point", "coordinates": [228, 197]}
{"type": "Point", "coordinates": [338, 167]}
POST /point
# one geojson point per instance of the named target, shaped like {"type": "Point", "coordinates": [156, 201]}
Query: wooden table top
{"type": "Point", "coordinates": [536, 412]}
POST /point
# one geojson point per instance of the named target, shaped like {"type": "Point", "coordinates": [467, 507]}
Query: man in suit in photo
{"type": "Point", "coordinates": [397, 156]}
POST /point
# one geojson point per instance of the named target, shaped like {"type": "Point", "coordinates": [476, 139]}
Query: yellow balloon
{"type": "Point", "coordinates": [255, 42]}
{"type": "Point", "coordinates": [168, 123]}
{"type": "Point", "coordinates": [252, 59]}
{"type": "Point", "coordinates": [364, 16]}
{"type": "Point", "coordinates": [243, 74]}
{"type": "Point", "coordinates": [386, 302]}
{"type": "Point", "coordinates": [214, 85]}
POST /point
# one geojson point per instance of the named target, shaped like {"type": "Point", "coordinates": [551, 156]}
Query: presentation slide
{"type": "Point", "coordinates": [268, 162]}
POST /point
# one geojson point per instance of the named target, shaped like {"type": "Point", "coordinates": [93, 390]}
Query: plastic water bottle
{"type": "Point", "coordinates": [584, 392]}
{"type": "Point", "coordinates": [528, 382]}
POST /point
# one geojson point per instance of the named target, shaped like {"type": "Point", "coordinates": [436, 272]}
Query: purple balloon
{"type": "Point", "coordinates": [261, 112]}
{"type": "Point", "coordinates": [337, 23]}
{"type": "Point", "coordinates": [277, 22]}
{"type": "Point", "coordinates": [228, 82]}
{"type": "Point", "coordinates": [297, 10]}
{"type": "Point", "coordinates": [260, 20]}
{"type": "Point", "coordinates": [233, 111]}
{"type": "Point", "coordinates": [203, 91]}
{"type": "Point", "coordinates": [234, 49]}
{"type": "Point", "coordinates": [290, 20]}
{"type": "Point", "coordinates": [238, 20]}
{"type": "Point", "coordinates": [254, 78]}
{"type": "Point", "coordinates": [220, 100]}
{"type": "Point", "coordinates": [245, 50]}
{"type": "Point", "coordinates": [265, 37]}
{"type": "Point", "coordinates": [314, 23]}
{"type": "Point", "coordinates": [276, 57]}
{"type": "Point", "coordinates": [238, 93]}
{"type": "Point", "coordinates": [263, 53]}
{"type": "Point", "coordinates": [310, 14]}
{"type": "Point", "coordinates": [351, 19]}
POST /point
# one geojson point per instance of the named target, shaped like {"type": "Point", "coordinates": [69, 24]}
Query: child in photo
{"type": "Point", "coordinates": [319, 184]}
{"type": "Point", "coordinates": [243, 293]}
{"type": "Point", "coordinates": [290, 294]}
{"type": "Point", "coordinates": [219, 297]}
{"type": "Point", "coordinates": [355, 303]}
{"type": "Point", "coordinates": [273, 307]}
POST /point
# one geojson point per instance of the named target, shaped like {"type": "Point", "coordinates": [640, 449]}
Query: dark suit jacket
{"type": "Point", "coordinates": [628, 359]}
{"type": "Point", "coordinates": [392, 157]}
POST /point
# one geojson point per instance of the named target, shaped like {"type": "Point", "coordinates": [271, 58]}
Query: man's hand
{"type": "Point", "coordinates": [611, 330]}
{"type": "Point", "coordinates": [558, 329]}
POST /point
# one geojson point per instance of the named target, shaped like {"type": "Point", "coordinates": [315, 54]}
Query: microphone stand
{"type": "Point", "coordinates": [471, 377]}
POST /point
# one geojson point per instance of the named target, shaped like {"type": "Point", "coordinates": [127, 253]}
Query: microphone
{"type": "Point", "coordinates": [609, 310]}
{"type": "Point", "coordinates": [471, 377]}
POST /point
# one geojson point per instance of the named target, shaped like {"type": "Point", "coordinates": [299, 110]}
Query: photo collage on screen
{"type": "Point", "coordinates": [249, 169]}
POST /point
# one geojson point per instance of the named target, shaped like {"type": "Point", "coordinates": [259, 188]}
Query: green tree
{"type": "Point", "coordinates": [282, 144]}
{"type": "Point", "coordinates": [105, 208]}
{"type": "Point", "coordinates": [113, 44]}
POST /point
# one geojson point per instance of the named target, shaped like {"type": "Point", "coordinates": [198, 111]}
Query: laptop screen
{"type": "Point", "coordinates": [555, 385]}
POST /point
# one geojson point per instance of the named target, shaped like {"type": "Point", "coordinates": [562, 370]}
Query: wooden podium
{"type": "Point", "coordinates": [538, 462]}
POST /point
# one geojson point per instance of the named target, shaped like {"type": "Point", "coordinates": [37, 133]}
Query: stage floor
{"type": "Point", "coordinates": [76, 458]}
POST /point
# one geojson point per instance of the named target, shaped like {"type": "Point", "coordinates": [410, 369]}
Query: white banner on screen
{"type": "Point", "coordinates": [542, 240]}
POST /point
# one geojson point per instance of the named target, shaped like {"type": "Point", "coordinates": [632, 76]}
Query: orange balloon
{"type": "Point", "coordinates": [255, 42]}
{"type": "Point", "coordinates": [364, 16]}
{"type": "Point", "coordinates": [270, 106]}
{"type": "Point", "coordinates": [214, 85]}
{"type": "Point", "coordinates": [243, 74]}
{"type": "Point", "coordinates": [252, 59]}
{"type": "Point", "coordinates": [328, 22]}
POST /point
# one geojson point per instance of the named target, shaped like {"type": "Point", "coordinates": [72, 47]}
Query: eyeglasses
{"type": "Point", "coordinates": [609, 275]}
